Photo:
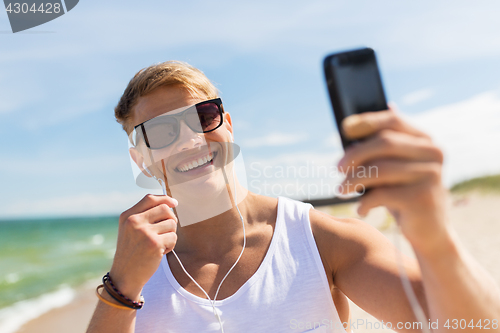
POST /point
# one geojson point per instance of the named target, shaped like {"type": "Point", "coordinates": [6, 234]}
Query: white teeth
{"type": "Point", "coordinates": [196, 163]}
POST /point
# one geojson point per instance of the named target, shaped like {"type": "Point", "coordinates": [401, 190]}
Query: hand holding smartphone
{"type": "Point", "coordinates": [354, 85]}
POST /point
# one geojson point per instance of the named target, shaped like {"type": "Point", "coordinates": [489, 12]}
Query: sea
{"type": "Point", "coordinates": [44, 261]}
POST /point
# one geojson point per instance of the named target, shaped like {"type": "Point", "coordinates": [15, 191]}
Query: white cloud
{"type": "Point", "coordinates": [469, 134]}
{"type": "Point", "coordinates": [301, 157]}
{"type": "Point", "coordinates": [275, 139]}
{"type": "Point", "coordinates": [417, 96]}
{"type": "Point", "coordinates": [300, 175]}
{"type": "Point", "coordinates": [333, 141]}
{"type": "Point", "coordinates": [452, 31]}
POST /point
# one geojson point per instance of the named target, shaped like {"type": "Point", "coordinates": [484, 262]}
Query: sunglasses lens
{"type": "Point", "coordinates": [161, 132]}
{"type": "Point", "coordinates": [209, 116]}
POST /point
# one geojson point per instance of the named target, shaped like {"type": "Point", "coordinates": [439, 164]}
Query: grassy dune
{"type": "Point", "coordinates": [486, 184]}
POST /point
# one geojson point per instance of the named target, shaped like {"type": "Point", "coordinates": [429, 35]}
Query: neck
{"type": "Point", "coordinates": [218, 234]}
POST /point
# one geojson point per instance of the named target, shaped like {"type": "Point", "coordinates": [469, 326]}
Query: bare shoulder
{"type": "Point", "coordinates": [263, 209]}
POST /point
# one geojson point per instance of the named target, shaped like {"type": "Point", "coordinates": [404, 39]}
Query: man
{"type": "Point", "coordinates": [298, 264]}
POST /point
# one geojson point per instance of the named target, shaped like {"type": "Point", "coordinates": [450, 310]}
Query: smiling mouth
{"type": "Point", "coordinates": [197, 163]}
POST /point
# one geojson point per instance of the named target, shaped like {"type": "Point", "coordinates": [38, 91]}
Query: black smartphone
{"type": "Point", "coordinates": [354, 84]}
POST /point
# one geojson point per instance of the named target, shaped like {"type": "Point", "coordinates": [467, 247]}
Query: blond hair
{"type": "Point", "coordinates": [160, 75]}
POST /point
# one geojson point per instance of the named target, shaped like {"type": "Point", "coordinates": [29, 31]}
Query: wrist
{"type": "Point", "coordinates": [114, 292]}
{"type": "Point", "coordinates": [106, 298]}
{"type": "Point", "coordinates": [436, 249]}
{"type": "Point", "coordinates": [128, 288]}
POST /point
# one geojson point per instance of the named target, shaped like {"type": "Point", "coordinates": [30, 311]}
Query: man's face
{"type": "Point", "coordinates": [189, 146]}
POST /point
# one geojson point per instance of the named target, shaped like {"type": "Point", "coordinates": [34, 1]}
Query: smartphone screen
{"type": "Point", "coordinates": [354, 84]}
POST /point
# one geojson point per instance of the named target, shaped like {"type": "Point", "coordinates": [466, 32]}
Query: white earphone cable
{"type": "Point", "coordinates": [212, 302]}
{"type": "Point", "coordinates": [410, 294]}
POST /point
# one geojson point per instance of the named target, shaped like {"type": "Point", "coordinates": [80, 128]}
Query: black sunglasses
{"type": "Point", "coordinates": [162, 131]}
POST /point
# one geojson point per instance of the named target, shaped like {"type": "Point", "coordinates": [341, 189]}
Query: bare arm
{"type": "Point", "coordinates": [146, 233]}
{"type": "Point", "coordinates": [408, 183]}
{"type": "Point", "coordinates": [363, 265]}
{"type": "Point", "coordinates": [458, 288]}
{"type": "Point", "coordinates": [110, 319]}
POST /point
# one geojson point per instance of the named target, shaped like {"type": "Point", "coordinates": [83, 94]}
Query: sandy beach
{"type": "Point", "coordinates": [476, 218]}
{"type": "Point", "coordinates": [72, 318]}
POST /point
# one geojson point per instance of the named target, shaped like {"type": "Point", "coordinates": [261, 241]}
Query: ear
{"type": "Point", "coordinates": [139, 160]}
{"type": "Point", "coordinates": [228, 123]}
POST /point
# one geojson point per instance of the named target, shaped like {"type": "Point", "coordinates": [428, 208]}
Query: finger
{"type": "Point", "coordinates": [168, 240]}
{"type": "Point", "coordinates": [378, 197]}
{"type": "Point", "coordinates": [159, 213]}
{"type": "Point", "coordinates": [394, 198]}
{"type": "Point", "coordinates": [148, 202]}
{"type": "Point", "coordinates": [361, 125]}
{"type": "Point", "coordinates": [390, 144]}
{"type": "Point", "coordinates": [164, 227]}
{"type": "Point", "coordinates": [390, 173]}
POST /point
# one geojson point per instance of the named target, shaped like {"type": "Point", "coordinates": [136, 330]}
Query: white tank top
{"type": "Point", "coordinates": [289, 292]}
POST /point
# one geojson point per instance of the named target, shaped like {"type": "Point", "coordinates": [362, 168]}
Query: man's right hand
{"type": "Point", "coordinates": [146, 232]}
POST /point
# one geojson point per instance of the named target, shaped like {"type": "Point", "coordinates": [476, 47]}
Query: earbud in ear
{"type": "Point", "coordinates": [145, 168]}
{"type": "Point", "coordinates": [232, 140]}
{"type": "Point", "coordinates": [152, 174]}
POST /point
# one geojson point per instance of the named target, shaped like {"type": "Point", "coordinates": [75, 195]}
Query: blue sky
{"type": "Point", "coordinates": [64, 154]}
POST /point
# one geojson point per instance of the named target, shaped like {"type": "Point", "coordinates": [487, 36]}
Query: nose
{"type": "Point", "coordinates": [188, 138]}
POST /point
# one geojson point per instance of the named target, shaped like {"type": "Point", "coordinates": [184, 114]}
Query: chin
{"type": "Point", "coordinates": [205, 188]}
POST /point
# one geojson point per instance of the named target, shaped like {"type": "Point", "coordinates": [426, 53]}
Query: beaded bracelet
{"type": "Point", "coordinates": [118, 296]}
